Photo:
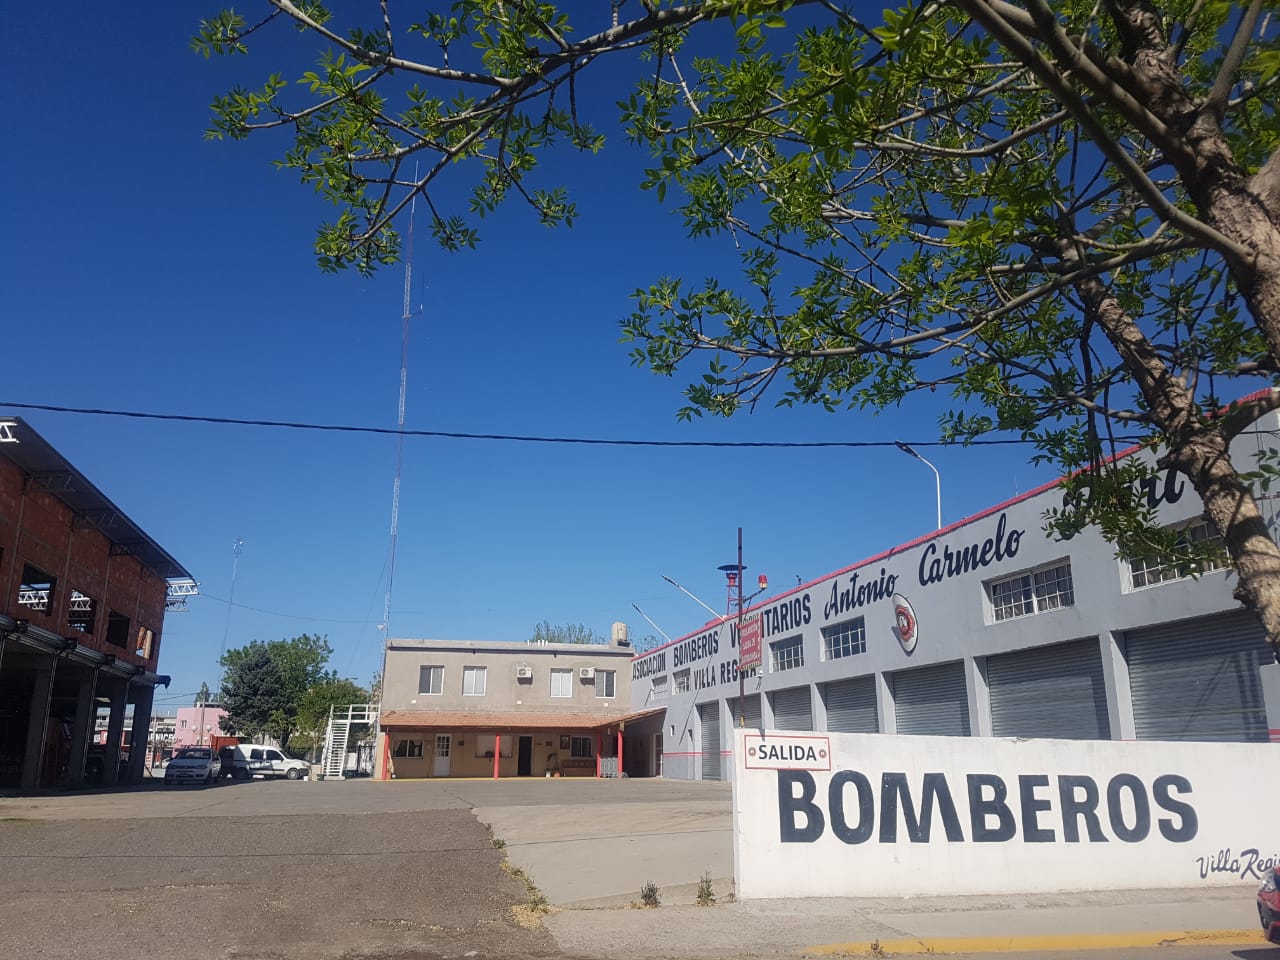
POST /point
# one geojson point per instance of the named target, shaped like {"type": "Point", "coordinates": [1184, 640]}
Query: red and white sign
{"type": "Point", "coordinates": [780, 751]}
{"type": "Point", "coordinates": [750, 643]}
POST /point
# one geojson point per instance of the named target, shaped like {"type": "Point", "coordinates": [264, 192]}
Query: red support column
{"type": "Point", "coordinates": [386, 756]}
{"type": "Point", "coordinates": [619, 753]}
{"type": "Point", "coordinates": [497, 753]}
{"type": "Point", "coordinates": [599, 750]}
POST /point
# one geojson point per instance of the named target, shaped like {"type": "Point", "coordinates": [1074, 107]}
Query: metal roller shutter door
{"type": "Point", "coordinates": [1054, 691]}
{"type": "Point", "coordinates": [932, 700]}
{"type": "Point", "coordinates": [791, 709]}
{"type": "Point", "coordinates": [851, 705]}
{"type": "Point", "coordinates": [709, 718]}
{"type": "Point", "coordinates": [1198, 679]}
{"type": "Point", "coordinates": [750, 714]}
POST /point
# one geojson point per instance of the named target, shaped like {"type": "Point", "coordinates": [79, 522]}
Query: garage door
{"type": "Point", "coordinates": [750, 713]}
{"type": "Point", "coordinates": [851, 705]}
{"type": "Point", "coordinates": [1198, 679]}
{"type": "Point", "coordinates": [932, 700]}
{"type": "Point", "coordinates": [1053, 691]}
{"type": "Point", "coordinates": [709, 720]}
{"type": "Point", "coordinates": [791, 709]}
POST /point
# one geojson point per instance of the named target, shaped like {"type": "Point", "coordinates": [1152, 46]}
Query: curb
{"type": "Point", "coordinates": [1099, 941]}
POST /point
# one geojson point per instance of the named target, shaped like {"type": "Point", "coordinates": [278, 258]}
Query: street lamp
{"type": "Point", "coordinates": [937, 478]}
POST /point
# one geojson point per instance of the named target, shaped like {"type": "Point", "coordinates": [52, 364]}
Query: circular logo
{"type": "Point", "coordinates": [905, 626]}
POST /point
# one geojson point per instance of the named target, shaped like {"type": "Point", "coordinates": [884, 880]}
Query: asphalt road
{"type": "Point", "coordinates": [253, 870]}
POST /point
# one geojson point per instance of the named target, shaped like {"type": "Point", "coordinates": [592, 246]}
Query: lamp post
{"type": "Point", "coordinates": [937, 477]}
{"type": "Point", "coordinates": [734, 573]}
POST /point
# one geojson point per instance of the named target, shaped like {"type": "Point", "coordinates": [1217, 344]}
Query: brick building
{"type": "Point", "coordinates": [83, 594]}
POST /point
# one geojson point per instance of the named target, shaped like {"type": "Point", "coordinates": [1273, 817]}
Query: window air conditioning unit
{"type": "Point", "coordinates": [524, 673]}
{"type": "Point", "coordinates": [587, 673]}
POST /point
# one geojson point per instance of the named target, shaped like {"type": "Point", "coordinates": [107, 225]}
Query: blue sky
{"type": "Point", "coordinates": [147, 269]}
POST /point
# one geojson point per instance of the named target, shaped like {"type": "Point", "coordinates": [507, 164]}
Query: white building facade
{"type": "Point", "coordinates": [985, 628]}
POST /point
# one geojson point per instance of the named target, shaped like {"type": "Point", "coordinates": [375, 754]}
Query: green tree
{"type": "Point", "coordinates": [203, 695]}
{"type": "Point", "coordinates": [314, 708]}
{"type": "Point", "coordinates": [546, 632]}
{"type": "Point", "coordinates": [264, 684]}
{"type": "Point", "coordinates": [253, 693]}
{"type": "Point", "coordinates": [1066, 217]}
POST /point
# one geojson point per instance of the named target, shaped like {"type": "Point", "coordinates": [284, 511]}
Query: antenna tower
{"type": "Point", "coordinates": [405, 317]}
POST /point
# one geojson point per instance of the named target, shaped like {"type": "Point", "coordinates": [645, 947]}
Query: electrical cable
{"type": "Point", "coordinates": [450, 435]}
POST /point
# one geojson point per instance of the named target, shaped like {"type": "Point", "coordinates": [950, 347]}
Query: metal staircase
{"type": "Point", "coordinates": [338, 735]}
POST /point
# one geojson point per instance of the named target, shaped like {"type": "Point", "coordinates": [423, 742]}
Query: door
{"type": "Point", "coordinates": [1199, 680]}
{"type": "Point", "coordinates": [657, 755]}
{"type": "Point", "coordinates": [524, 766]}
{"type": "Point", "coordinates": [709, 721]}
{"type": "Point", "coordinates": [440, 765]}
{"type": "Point", "coordinates": [1053, 691]}
{"type": "Point", "coordinates": [275, 763]}
{"type": "Point", "coordinates": [791, 710]}
{"type": "Point", "coordinates": [851, 705]}
{"type": "Point", "coordinates": [932, 700]}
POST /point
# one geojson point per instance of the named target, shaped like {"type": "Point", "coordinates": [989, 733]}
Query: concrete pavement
{"type": "Point", "coordinates": [590, 848]}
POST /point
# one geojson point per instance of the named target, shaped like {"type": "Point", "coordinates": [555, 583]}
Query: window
{"type": "Point", "coordinates": [406, 747]}
{"type": "Point", "coordinates": [274, 755]}
{"type": "Point", "coordinates": [844, 639]}
{"type": "Point", "coordinates": [581, 747]}
{"type": "Point", "coordinates": [36, 589]}
{"type": "Point", "coordinates": [562, 683]}
{"type": "Point", "coordinates": [787, 654]}
{"type": "Point", "coordinates": [81, 612]}
{"type": "Point", "coordinates": [681, 681]}
{"type": "Point", "coordinates": [1148, 571]}
{"type": "Point", "coordinates": [606, 684]}
{"type": "Point", "coordinates": [443, 742]}
{"type": "Point", "coordinates": [659, 688]}
{"type": "Point", "coordinates": [431, 680]}
{"type": "Point", "coordinates": [117, 629]}
{"type": "Point", "coordinates": [473, 681]}
{"type": "Point", "coordinates": [1033, 592]}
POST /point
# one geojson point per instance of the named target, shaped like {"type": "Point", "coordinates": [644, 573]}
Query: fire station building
{"type": "Point", "coordinates": [987, 627]}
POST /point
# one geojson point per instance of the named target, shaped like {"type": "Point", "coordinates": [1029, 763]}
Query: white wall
{"type": "Point", "coordinates": [826, 815]}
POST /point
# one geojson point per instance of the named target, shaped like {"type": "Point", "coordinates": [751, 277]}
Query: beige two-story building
{"type": "Point", "coordinates": [493, 709]}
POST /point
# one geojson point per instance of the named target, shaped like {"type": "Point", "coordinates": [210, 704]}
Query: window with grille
{"type": "Point", "coordinates": [1149, 571]}
{"type": "Point", "coordinates": [562, 683]}
{"type": "Point", "coordinates": [606, 684]}
{"type": "Point", "coordinates": [431, 680]}
{"type": "Point", "coordinates": [581, 747]}
{"type": "Point", "coordinates": [1032, 592]}
{"type": "Point", "coordinates": [473, 681]}
{"type": "Point", "coordinates": [844, 639]}
{"type": "Point", "coordinates": [681, 681]}
{"type": "Point", "coordinates": [787, 654]}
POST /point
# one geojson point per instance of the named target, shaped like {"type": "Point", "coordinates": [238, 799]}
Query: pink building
{"type": "Point", "coordinates": [195, 725]}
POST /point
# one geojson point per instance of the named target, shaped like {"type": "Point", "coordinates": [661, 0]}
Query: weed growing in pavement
{"type": "Point", "coordinates": [877, 951]}
{"type": "Point", "coordinates": [649, 894]}
{"type": "Point", "coordinates": [530, 913]}
{"type": "Point", "coordinates": [706, 894]}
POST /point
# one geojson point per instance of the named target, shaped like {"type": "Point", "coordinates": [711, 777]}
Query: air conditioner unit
{"type": "Point", "coordinates": [587, 673]}
{"type": "Point", "coordinates": [524, 673]}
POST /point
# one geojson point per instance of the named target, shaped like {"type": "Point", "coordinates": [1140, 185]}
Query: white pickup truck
{"type": "Point", "coordinates": [244, 761]}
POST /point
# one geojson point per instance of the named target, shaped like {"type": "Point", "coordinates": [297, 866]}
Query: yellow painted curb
{"type": "Point", "coordinates": [1069, 941]}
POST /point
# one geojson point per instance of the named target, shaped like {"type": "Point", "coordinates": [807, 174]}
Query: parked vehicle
{"type": "Point", "coordinates": [193, 765]}
{"type": "Point", "coordinates": [1269, 905]}
{"type": "Point", "coordinates": [244, 761]}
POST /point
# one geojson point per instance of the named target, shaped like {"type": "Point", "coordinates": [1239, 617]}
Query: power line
{"type": "Point", "coordinates": [449, 435]}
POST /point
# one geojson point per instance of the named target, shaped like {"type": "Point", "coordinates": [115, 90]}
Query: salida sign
{"type": "Point", "coordinates": [862, 815]}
